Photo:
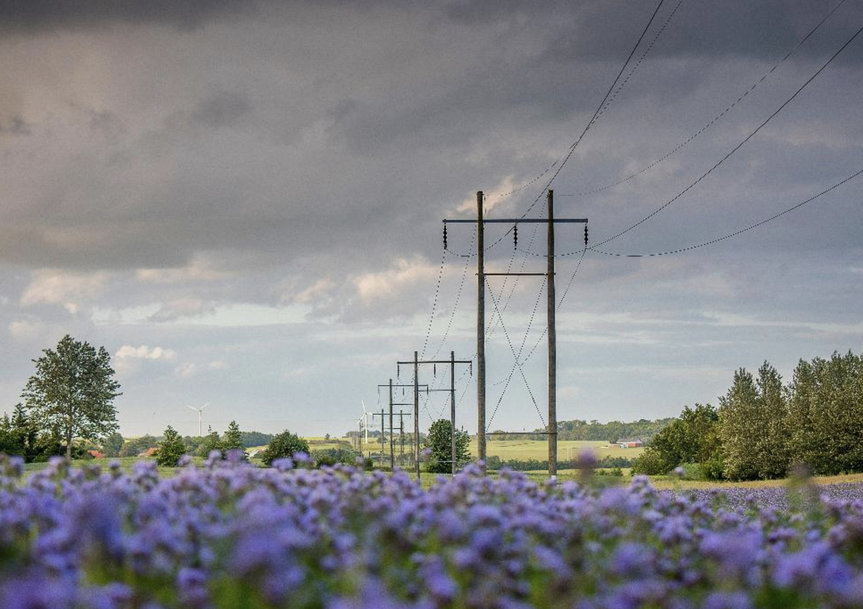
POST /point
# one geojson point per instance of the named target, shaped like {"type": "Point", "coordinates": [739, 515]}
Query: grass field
{"type": "Point", "coordinates": [538, 449]}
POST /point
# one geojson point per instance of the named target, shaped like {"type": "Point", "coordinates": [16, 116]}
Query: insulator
{"type": "Point", "coordinates": [398, 370]}
{"type": "Point", "coordinates": [444, 236]}
{"type": "Point", "coordinates": [585, 235]}
{"type": "Point", "coordinates": [434, 369]}
{"type": "Point", "coordinates": [515, 236]}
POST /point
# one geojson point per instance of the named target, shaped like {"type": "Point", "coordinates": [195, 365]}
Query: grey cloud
{"type": "Point", "coordinates": [14, 126]}
{"type": "Point", "coordinates": [221, 109]}
{"type": "Point", "coordinates": [26, 15]}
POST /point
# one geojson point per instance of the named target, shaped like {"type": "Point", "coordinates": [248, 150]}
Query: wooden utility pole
{"type": "Point", "coordinates": [452, 361]}
{"type": "Point", "coordinates": [552, 344]}
{"type": "Point", "coordinates": [391, 403]}
{"type": "Point", "coordinates": [480, 329]}
{"type": "Point", "coordinates": [551, 429]}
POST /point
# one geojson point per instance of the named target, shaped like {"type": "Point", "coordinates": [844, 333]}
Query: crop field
{"type": "Point", "coordinates": [566, 449]}
{"type": "Point", "coordinates": [226, 534]}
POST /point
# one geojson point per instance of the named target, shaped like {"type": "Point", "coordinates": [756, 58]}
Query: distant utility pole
{"type": "Point", "coordinates": [452, 361]}
{"type": "Point", "coordinates": [480, 323]}
{"type": "Point", "coordinates": [402, 414]}
{"type": "Point", "coordinates": [392, 446]}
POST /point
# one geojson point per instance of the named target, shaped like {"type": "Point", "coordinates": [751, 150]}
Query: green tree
{"type": "Point", "coordinates": [690, 438]}
{"type": "Point", "coordinates": [439, 441]}
{"type": "Point", "coordinates": [826, 414]}
{"type": "Point", "coordinates": [232, 438]}
{"type": "Point", "coordinates": [753, 422]}
{"type": "Point", "coordinates": [171, 448]}
{"type": "Point", "coordinates": [72, 392]}
{"type": "Point", "coordinates": [113, 444]}
{"type": "Point", "coordinates": [285, 444]}
{"type": "Point", "coordinates": [211, 442]}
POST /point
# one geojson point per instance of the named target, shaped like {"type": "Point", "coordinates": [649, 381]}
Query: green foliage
{"type": "Point", "coordinates": [611, 432]}
{"type": "Point", "coordinates": [439, 441]}
{"type": "Point", "coordinates": [753, 423]}
{"type": "Point", "coordinates": [826, 414]}
{"type": "Point", "coordinates": [254, 438]}
{"type": "Point", "coordinates": [285, 444]}
{"type": "Point", "coordinates": [331, 456]}
{"type": "Point", "coordinates": [232, 439]}
{"type": "Point", "coordinates": [211, 442]}
{"type": "Point", "coordinates": [171, 448]}
{"type": "Point", "coordinates": [691, 438]}
{"type": "Point", "coordinates": [72, 392]}
{"type": "Point", "coordinates": [113, 444]}
{"type": "Point", "coordinates": [135, 446]}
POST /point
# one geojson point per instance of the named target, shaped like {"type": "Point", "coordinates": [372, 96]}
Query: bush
{"type": "Point", "coordinates": [285, 444]}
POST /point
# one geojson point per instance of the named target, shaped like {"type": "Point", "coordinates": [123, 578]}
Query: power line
{"type": "Point", "coordinates": [737, 147]}
{"type": "Point", "coordinates": [735, 233]}
{"type": "Point", "coordinates": [600, 108]}
{"type": "Point", "coordinates": [716, 118]}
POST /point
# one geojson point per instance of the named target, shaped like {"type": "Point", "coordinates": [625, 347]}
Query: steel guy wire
{"type": "Point", "coordinates": [735, 233]}
{"type": "Point", "coordinates": [737, 147]}
{"type": "Point", "coordinates": [559, 305]}
{"type": "Point", "coordinates": [521, 371]}
{"type": "Point", "coordinates": [715, 119]}
{"type": "Point", "coordinates": [529, 325]}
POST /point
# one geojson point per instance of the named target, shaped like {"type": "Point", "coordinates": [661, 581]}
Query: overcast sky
{"type": "Point", "coordinates": [242, 200]}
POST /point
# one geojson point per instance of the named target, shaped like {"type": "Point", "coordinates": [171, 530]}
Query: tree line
{"type": "Point", "coordinates": [763, 428]}
{"type": "Point", "coordinates": [594, 431]}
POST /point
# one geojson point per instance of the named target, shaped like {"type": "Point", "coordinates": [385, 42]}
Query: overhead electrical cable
{"type": "Point", "coordinates": [599, 108]}
{"type": "Point", "coordinates": [735, 233]}
{"type": "Point", "coordinates": [716, 118]}
{"type": "Point", "coordinates": [737, 147]}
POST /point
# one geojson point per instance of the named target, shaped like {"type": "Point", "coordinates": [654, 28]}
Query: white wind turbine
{"type": "Point", "coordinates": [200, 411]}
{"type": "Point", "coordinates": [365, 422]}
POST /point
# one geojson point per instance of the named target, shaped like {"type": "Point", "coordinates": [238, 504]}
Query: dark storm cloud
{"type": "Point", "coordinates": [27, 15]}
{"type": "Point", "coordinates": [14, 126]}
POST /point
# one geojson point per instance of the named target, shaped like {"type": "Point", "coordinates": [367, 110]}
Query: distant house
{"type": "Point", "coordinates": [150, 452]}
{"type": "Point", "coordinates": [630, 443]}
{"type": "Point", "coordinates": [95, 454]}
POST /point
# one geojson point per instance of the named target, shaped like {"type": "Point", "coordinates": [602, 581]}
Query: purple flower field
{"type": "Point", "coordinates": [231, 535]}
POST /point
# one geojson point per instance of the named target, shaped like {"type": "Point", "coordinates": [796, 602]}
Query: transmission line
{"type": "Point", "coordinates": [716, 118]}
{"type": "Point", "coordinates": [735, 233]}
{"type": "Point", "coordinates": [737, 147]}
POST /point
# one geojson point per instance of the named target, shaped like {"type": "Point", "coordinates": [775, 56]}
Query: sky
{"type": "Point", "coordinates": [241, 200]}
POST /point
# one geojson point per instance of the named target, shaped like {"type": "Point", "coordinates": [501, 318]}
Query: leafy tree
{"type": "Point", "coordinates": [690, 438]}
{"type": "Point", "coordinates": [330, 456]}
{"type": "Point", "coordinates": [113, 444]}
{"type": "Point", "coordinates": [72, 392]}
{"type": "Point", "coordinates": [826, 414]}
{"type": "Point", "coordinates": [135, 446]}
{"type": "Point", "coordinates": [211, 442]}
{"type": "Point", "coordinates": [285, 444]}
{"type": "Point", "coordinates": [171, 448]}
{"type": "Point", "coordinates": [439, 440]}
{"type": "Point", "coordinates": [753, 423]}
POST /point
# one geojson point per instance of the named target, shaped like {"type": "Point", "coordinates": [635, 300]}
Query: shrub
{"type": "Point", "coordinates": [285, 444]}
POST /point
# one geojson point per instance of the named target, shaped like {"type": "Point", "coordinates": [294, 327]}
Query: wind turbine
{"type": "Point", "coordinates": [365, 422]}
{"type": "Point", "coordinates": [199, 410]}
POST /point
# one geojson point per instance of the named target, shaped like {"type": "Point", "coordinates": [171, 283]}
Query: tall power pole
{"type": "Point", "coordinates": [551, 429]}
